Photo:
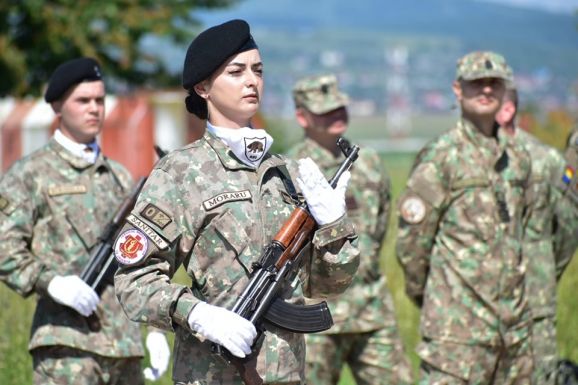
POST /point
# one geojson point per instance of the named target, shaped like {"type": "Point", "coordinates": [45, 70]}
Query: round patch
{"type": "Point", "coordinates": [413, 210]}
{"type": "Point", "coordinates": [130, 247]}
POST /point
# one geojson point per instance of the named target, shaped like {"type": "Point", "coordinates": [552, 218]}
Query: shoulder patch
{"type": "Point", "coordinates": [156, 216]}
{"type": "Point", "coordinates": [225, 197]}
{"type": "Point", "coordinates": [66, 190]}
{"type": "Point", "coordinates": [412, 210]}
{"type": "Point", "coordinates": [150, 233]}
{"type": "Point", "coordinates": [130, 247]}
{"type": "Point", "coordinates": [568, 175]}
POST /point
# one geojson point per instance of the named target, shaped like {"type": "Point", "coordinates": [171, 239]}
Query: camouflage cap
{"type": "Point", "coordinates": [319, 94]}
{"type": "Point", "coordinates": [483, 64]}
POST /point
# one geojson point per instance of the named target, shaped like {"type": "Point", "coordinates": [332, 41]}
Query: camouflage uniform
{"type": "Point", "coordinates": [459, 244]}
{"type": "Point", "coordinates": [365, 333]}
{"type": "Point", "coordinates": [544, 266]}
{"type": "Point", "coordinates": [55, 207]}
{"type": "Point", "coordinates": [565, 240]}
{"type": "Point", "coordinates": [204, 209]}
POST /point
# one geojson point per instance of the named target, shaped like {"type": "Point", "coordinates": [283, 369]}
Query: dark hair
{"type": "Point", "coordinates": [196, 105]}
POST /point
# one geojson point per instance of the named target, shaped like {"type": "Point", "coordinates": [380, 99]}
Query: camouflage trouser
{"type": "Point", "coordinates": [544, 349]}
{"type": "Point", "coordinates": [375, 358]}
{"type": "Point", "coordinates": [457, 364]}
{"type": "Point", "coordinates": [62, 365]}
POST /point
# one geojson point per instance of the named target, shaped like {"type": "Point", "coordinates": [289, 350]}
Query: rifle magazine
{"type": "Point", "coordinates": [299, 318]}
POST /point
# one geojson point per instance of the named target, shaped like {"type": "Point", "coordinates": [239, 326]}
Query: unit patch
{"type": "Point", "coordinates": [153, 236]}
{"type": "Point", "coordinates": [255, 148]}
{"type": "Point", "coordinates": [156, 216]}
{"type": "Point", "coordinates": [130, 247]}
{"type": "Point", "coordinates": [66, 190]}
{"type": "Point", "coordinates": [218, 200]}
{"type": "Point", "coordinates": [568, 175]}
{"type": "Point", "coordinates": [413, 210]}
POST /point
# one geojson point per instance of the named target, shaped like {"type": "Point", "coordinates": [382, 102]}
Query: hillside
{"type": "Point", "coordinates": [298, 37]}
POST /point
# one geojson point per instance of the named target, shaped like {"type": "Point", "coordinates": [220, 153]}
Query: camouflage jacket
{"type": "Point", "coordinates": [204, 209]}
{"type": "Point", "coordinates": [542, 221]}
{"type": "Point", "coordinates": [566, 209]}
{"type": "Point", "coordinates": [459, 239]}
{"type": "Point", "coordinates": [55, 206]}
{"type": "Point", "coordinates": [366, 305]}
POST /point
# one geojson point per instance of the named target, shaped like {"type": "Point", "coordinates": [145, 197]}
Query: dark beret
{"type": "Point", "coordinates": [70, 73]}
{"type": "Point", "coordinates": [209, 50]}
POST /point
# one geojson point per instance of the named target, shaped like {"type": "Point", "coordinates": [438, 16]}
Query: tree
{"type": "Point", "coordinates": [37, 35]}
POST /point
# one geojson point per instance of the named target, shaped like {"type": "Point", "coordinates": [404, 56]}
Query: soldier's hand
{"type": "Point", "coordinates": [223, 327]}
{"type": "Point", "coordinates": [159, 354]}
{"type": "Point", "coordinates": [73, 292]}
{"type": "Point", "coordinates": [325, 203]}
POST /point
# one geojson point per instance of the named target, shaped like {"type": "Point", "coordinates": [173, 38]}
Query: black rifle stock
{"type": "Point", "coordinates": [279, 262]}
{"type": "Point", "coordinates": [100, 269]}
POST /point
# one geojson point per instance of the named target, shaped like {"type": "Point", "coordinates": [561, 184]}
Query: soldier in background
{"type": "Point", "coordinates": [459, 240]}
{"type": "Point", "coordinates": [364, 334]}
{"type": "Point", "coordinates": [565, 239]}
{"type": "Point", "coordinates": [55, 203]}
{"type": "Point", "coordinates": [545, 220]}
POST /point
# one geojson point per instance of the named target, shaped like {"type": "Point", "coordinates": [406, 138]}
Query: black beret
{"type": "Point", "coordinates": [209, 50]}
{"type": "Point", "coordinates": [70, 73]}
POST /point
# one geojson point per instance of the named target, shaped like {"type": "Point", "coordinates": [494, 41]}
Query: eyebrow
{"type": "Point", "coordinates": [237, 64]}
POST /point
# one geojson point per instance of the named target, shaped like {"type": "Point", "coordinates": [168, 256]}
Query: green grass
{"type": "Point", "coordinates": [16, 313]}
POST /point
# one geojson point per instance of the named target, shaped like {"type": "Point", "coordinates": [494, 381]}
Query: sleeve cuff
{"type": "Point", "coordinates": [41, 286]}
{"type": "Point", "coordinates": [183, 308]}
{"type": "Point", "coordinates": [331, 232]}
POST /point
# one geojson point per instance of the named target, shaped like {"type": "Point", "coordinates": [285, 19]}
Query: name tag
{"type": "Point", "coordinates": [150, 233]}
{"type": "Point", "coordinates": [218, 200]}
{"type": "Point", "coordinates": [66, 190]}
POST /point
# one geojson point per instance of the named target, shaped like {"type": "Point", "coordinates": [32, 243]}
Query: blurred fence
{"type": "Point", "coordinates": [133, 124]}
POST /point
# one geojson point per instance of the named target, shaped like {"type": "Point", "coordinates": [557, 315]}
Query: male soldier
{"type": "Point", "coordinates": [545, 220]}
{"type": "Point", "coordinates": [364, 333]}
{"type": "Point", "coordinates": [459, 241]}
{"type": "Point", "coordinates": [55, 203]}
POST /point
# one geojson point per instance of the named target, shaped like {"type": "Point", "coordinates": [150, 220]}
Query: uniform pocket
{"type": "Point", "coordinates": [212, 263]}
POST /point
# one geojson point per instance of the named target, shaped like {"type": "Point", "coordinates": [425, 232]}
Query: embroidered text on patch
{"type": "Point", "coordinates": [218, 200]}
{"type": "Point", "coordinates": [156, 216]}
{"type": "Point", "coordinates": [66, 189]}
{"type": "Point", "coordinates": [153, 236]}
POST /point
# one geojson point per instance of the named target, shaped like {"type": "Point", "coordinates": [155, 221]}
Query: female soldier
{"type": "Point", "coordinates": [212, 206]}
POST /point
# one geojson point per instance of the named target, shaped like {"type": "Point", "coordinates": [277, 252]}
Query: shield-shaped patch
{"type": "Point", "coordinates": [255, 148]}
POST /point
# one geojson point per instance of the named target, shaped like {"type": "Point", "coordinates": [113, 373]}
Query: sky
{"type": "Point", "coordinates": [563, 6]}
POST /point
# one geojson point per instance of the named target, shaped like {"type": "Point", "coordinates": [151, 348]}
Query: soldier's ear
{"type": "Point", "coordinates": [202, 89]}
{"type": "Point", "coordinates": [301, 117]}
{"type": "Point", "coordinates": [457, 88]}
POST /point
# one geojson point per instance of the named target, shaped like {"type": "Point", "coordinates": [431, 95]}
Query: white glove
{"type": "Point", "coordinates": [73, 292]}
{"type": "Point", "coordinates": [223, 327]}
{"type": "Point", "coordinates": [325, 203]}
{"type": "Point", "coordinates": [159, 354]}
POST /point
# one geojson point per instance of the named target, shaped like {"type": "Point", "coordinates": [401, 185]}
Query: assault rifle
{"type": "Point", "coordinates": [99, 272]}
{"type": "Point", "coordinates": [261, 300]}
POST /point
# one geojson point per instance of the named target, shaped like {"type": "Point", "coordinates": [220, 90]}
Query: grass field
{"type": "Point", "coordinates": [16, 313]}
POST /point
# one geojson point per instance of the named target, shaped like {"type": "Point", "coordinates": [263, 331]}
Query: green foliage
{"type": "Point", "coordinates": [37, 35]}
{"type": "Point", "coordinates": [552, 129]}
